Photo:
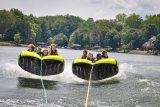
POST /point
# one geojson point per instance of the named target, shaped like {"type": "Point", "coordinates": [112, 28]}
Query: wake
{"type": "Point", "coordinates": [10, 70]}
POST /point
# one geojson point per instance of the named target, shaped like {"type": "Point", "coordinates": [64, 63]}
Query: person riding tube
{"type": "Point", "coordinates": [90, 57]}
{"type": "Point", "coordinates": [53, 50]}
{"type": "Point", "coordinates": [31, 48]}
{"type": "Point", "coordinates": [45, 52]}
{"type": "Point", "coordinates": [104, 54]}
{"type": "Point", "coordinates": [84, 56]}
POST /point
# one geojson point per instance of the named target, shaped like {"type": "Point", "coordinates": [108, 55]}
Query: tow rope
{"type": "Point", "coordinates": [88, 89]}
{"type": "Point", "coordinates": [44, 90]}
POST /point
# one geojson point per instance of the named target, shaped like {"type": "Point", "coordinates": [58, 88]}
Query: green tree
{"type": "Point", "coordinates": [119, 27]}
{"type": "Point", "coordinates": [103, 28]}
{"type": "Point", "coordinates": [59, 39]}
{"type": "Point", "coordinates": [121, 18]}
{"type": "Point", "coordinates": [34, 32]}
{"type": "Point", "coordinates": [64, 24]}
{"type": "Point", "coordinates": [153, 20]}
{"type": "Point", "coordinates": [24, 28]}
{"type": "Point", "coordinates": [150, 30]}
{"type": "Point", "coordinates": [80, 36]}
{"type": "Point", "coordinates": [131, 31]}
{"type": "Point", "coordinates": [133, 21]}
{"type": "Point", "coordinates": [134, 37]}
{"type": "Point", "coordinates": [17, 38]}
{"type": "Point", "coordinates": [157, 43]}
{"type": "Point", "coordinates": [6, 21]}
{"type": "Point", "coordinates": [43, 32]}
{"type": "Point", "coordinates": [51, 40]}
{"type": "Point", "coordinates": [112, 39]}
{"type": "Point", "coordinates": [17, 13]}
{"type": "Point", "coordinates": [94, 34]}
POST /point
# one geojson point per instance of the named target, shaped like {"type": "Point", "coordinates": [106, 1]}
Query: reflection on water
{"type": "Point", "coordinates": [35, 83]}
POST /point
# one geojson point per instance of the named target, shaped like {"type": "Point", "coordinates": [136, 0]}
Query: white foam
{"type": "Point", "coordinates": [127, 68]}
{"type": "Point", "coordinates": [10, 70]}
{"type": "Point", "coordinates": [151, 68]}
{"type": "Point", "coordinates": [149, 82]}
{"type": "Point", "coordinates": [150, 87]}
{"type": "Point", "coordinates": [26, 103]}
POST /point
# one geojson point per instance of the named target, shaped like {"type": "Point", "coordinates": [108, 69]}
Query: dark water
{"type": "Point", "coordinates": [136, 85]}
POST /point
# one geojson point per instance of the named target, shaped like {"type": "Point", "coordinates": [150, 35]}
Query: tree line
{"type": "Point", "coordinates": [124, 31]}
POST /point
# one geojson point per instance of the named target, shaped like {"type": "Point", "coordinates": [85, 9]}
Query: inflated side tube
{"type": "Point", "coordinates": [82, 68]}
{"type": "Point", "coordinates": [33, 63]}
{"type": "Point", "coordinates": [101, 69]}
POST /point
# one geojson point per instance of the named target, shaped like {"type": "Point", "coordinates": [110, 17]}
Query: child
{"type": "Point", "coordinates": [104, 54]}
{"type": "Point", "coordinates": [38, 51]}
{"type": "Point", "coordinates": [98, 57]}
{"type": "Point", "coordinates": [45, 52]}
{"type": "Point", "coordinates": [53, 50]}
{"type": "Point", "coordinates": [90, 57]}
{"type": "Point", "coordinates": [84, 56]}
{"type": "Point", "coordinates": [31, 48]}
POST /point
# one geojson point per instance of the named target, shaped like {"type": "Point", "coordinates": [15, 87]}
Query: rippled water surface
{"type": "Point", "coordinates": [136, 85]}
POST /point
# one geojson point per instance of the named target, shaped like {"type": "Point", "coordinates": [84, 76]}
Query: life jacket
{"type": "Point", "coordinates": [31, 51]}
{"type": "Point", "coordinates": [43, 54]}
{"type": "Point", "coordinates": [40, 54]}
{"type": "Point", "coordinates": [98, 59]}
{"type": "Point", "coordinates": [93, 60]}
{"type": "Point", "coordinates": [84, 57]}
{"type": "Point", "coordinates": [104, 56]}
{"type": "Point", "coordinates": [53, 52]}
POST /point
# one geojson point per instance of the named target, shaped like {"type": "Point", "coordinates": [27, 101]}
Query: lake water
{"type": "Point", "coordinates": [136, 85]}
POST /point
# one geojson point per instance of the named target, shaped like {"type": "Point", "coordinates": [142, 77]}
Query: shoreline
{"type": "Point", "coordinates": [12, 45]}
{"type": "Point", "coordinates": [138, 52]}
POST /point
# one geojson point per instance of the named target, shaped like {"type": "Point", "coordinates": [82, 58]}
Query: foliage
{"type": "Point", "coordinates": [5, 43]}
{"type": "Point", "coordinates": [157, 43]}
{"type": "Point", "coordinates": [17, 38]}
{"type": "Point", "coordinates": [121, 18]}
{"type": "Point", "coordinates": [133, 21]}
{"type": "Point", "coordinates": [59, 39]}
{"type": "Point", "coordinates": [6, 21]}
{"type": "Point", "coordinates": [150, 30]}
{"type": "Point", "coordinates": [122, 32]}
